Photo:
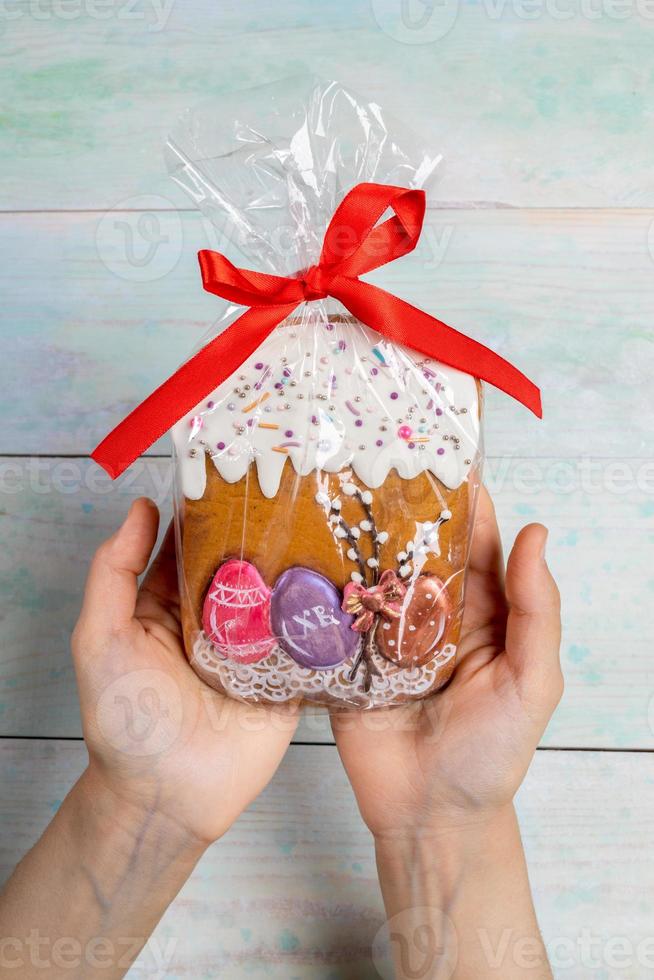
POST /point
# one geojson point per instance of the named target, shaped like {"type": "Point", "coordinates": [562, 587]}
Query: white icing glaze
{"type": "Point", "coordinates": [328, 395]}
{"type": "Point", "coordinates": [278, 678]}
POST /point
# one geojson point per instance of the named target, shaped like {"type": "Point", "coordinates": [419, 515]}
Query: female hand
{"type": "Point", "coordinates": [158, 737]}
{"type": "Point", "coordinates": [463, 753]}
{"type": "Point", "coordinates": [435, 780]}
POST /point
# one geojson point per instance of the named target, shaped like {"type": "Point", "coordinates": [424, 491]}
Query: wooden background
{"type": "Point", "coordinates": [539, 242]}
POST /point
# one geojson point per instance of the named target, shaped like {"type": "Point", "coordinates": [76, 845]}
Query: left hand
{"type": "Point", "coordinates": [460, 756]}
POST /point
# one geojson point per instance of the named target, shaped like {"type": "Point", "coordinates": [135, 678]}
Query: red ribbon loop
{"type": "Point", "coordinates": [354, 243]}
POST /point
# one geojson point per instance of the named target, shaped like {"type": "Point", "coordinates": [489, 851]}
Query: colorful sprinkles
{"type": "Point", "coordinates": [334, 412]}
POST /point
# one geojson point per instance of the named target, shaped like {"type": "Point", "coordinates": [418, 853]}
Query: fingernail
{"type": "Point", "coordinates": [543, 546]}
{"type": "Point", "coordinates": [141, 500]}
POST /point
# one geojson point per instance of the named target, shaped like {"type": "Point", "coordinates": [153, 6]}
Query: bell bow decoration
{"type": "Point", "coordinates": [368, 603]}
{"type": "Point", "coordinates": [354, 244]}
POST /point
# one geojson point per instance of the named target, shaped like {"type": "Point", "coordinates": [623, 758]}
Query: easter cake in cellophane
{"type": "Point", "coordinates": [326, 431]}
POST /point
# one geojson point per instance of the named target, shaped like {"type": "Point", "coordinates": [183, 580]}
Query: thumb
{"type": "Point", "coordinates": [533, 632]}
{"type": "Point", "coordinates": [112, 584]}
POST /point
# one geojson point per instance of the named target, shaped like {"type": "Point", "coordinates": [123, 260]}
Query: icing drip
{"type": "Point", "coordinates": [325, 395]}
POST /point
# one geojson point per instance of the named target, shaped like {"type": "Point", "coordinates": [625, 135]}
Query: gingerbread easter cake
{"type": "Point", "coordinates": [325, 495]}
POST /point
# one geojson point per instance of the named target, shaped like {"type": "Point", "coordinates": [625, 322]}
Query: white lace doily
{"type": "Point", "coordinates": [278, 678]}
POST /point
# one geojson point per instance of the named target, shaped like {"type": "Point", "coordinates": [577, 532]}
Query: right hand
{"type": "Point", "coordinates": [159, 738]}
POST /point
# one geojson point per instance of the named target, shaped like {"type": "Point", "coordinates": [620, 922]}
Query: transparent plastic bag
{"type": "Point", "coordinates": [325, 493]}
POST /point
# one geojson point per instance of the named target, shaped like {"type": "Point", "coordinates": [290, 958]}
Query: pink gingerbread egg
{"type": "Point", "coordinates": [236, 613]}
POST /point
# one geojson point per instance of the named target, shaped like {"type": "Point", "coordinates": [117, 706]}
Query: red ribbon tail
{"type": "Point", "coordinates": [192, 382]}
{"type": "Point", "coordinates": [405, 324]}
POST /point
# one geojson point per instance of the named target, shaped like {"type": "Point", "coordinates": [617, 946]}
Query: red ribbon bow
{"type": "Point", "coordinates": [354, 244]}
{"type": "Point", "coordinates": [378, 600]}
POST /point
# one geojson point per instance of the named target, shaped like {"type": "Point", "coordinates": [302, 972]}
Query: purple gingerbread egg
{"type": "Point", "coordinates": [307, 619]}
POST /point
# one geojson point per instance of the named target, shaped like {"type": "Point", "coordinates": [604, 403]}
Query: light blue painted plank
{"type": "Point", "coordinates": [529, 108]}
{"type": "Point", "coordinates": [601, 541]}
{"type": "Point", "coordinates": [90, 326]}
{"type": "Point", "coordinates": [291, 891]}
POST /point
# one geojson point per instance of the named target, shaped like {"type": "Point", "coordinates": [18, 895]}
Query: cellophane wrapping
{"type": "Point", "coordinates": [325, 493]}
